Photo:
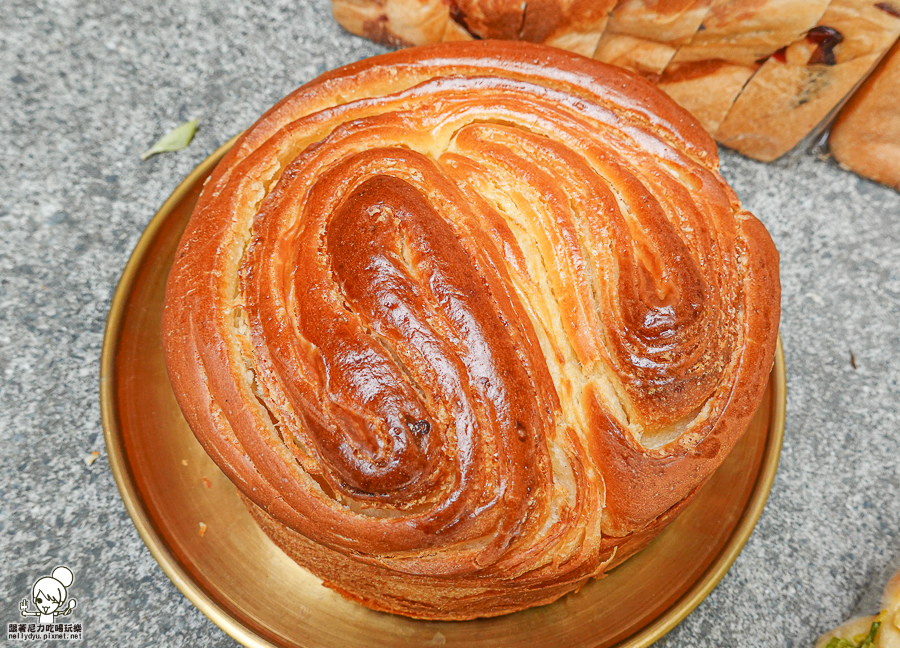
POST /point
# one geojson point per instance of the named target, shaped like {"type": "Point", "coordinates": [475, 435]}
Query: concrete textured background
{"type": "Point", "coordinates": [86, 86]}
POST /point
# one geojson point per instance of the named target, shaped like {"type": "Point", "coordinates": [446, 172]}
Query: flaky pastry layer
{"type": "Point", "coordinates": [468, 324]}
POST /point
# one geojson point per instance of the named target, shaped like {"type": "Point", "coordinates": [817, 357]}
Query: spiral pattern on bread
{"type": "Point", "coordinates": [468, 324]}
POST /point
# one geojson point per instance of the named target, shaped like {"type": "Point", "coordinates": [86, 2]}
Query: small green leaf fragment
{"type": "Point", "coordinates": [859, 641]}
{"type": "Point", "coordinates": [837, 642]}
{"type": "Point", "coordinates": [175, 140]}
{"type": "Point", "coordinates": [869, 639]}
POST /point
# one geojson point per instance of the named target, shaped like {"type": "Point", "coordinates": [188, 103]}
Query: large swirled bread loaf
{"type": "Point", "coordinates": [468, 324]}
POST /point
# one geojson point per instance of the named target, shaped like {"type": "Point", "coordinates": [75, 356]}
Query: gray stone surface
{"type": "Point", "coordinates": [86, 86]}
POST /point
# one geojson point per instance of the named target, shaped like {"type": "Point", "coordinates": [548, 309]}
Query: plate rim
{"type": "Point", "coordinates": [245, 636]}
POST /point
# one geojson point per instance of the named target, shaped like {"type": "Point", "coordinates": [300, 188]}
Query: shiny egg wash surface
{"type": "Point", "coordinates": [469, 324]}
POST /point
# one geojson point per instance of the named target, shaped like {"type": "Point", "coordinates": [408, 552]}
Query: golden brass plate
{"type": "Point", "coordinates": [190, 517]}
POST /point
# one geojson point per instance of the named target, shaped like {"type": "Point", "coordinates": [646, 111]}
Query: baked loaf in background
{"type": "Point", "coordinates": [469, 324]}
{"type": "Point", "coordinates": [760, 75]}
{"type": "Point", "coordinates": [888, 631]}
{"type": "Point", "coordinates": [866, 135]}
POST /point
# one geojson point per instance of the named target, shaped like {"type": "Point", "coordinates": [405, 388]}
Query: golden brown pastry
{"type": "Point", "coordinates": [644, 35]}
{"type": "Point", "coordinates": [572, 25]}
{"type": "Point", "coordinates": [706, 76]}
{"type": "Point", "coordinates": [744, 31]}
{"type": "Point", "coordinates": [469, 324]}
{"type": "Point", "coordinates": [793, 93]}
{"type": "Point", "coordinates": [706, 89]}
{"type": "Point", "coordinates": [760, 75]}
{"type": "Point", "coordinates": [398, 23]}
{"type": "Point", "coordinates": [866, 135]}
{"type": "Point", "coordinates": [886, 632]}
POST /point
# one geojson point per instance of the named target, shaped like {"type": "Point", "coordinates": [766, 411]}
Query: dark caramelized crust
{"type": "Point", "coordinates": [466, 324]}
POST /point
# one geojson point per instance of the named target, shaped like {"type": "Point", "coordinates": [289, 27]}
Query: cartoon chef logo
{"type": "Point", "coordinates": [50, 596]}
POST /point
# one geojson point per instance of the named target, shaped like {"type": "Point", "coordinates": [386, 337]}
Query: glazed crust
{"type": "Point", "coordinates": [757, 73]}
{"type": "Point", "coordinates": [467, 324]}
